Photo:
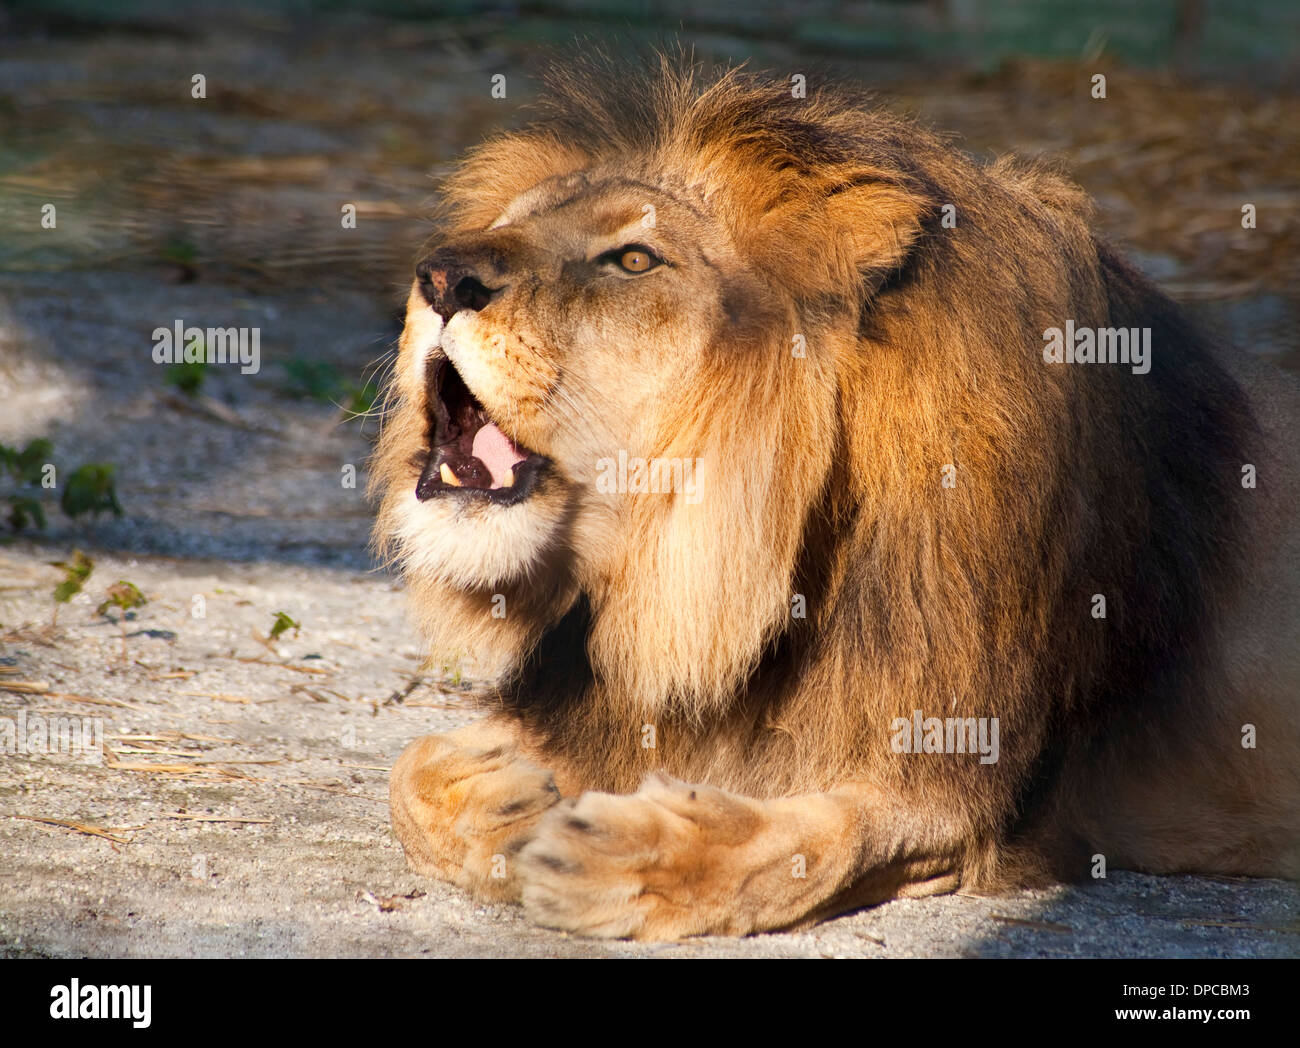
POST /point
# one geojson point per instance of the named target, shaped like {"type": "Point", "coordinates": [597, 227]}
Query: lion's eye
{"type": "Point", "coordinates": [635, 258]}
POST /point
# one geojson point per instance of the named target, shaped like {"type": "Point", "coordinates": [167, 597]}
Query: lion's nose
{"type": "Point", "coordinates": [450, 285]}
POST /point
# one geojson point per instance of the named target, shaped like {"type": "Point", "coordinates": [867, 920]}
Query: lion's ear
{"type": "Point", "coordinates": [827, 237]}
{"type": "Point", "coordinates": [879, 222]}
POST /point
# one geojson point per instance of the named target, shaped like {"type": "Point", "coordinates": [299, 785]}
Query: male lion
{"type": "Point", "coordinates": [931, 600]}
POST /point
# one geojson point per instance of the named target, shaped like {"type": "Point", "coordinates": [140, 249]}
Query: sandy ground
{"type": "Point", "coordinates": [239, 797]}
{"type": "Point", "coordinates": [204, 722]}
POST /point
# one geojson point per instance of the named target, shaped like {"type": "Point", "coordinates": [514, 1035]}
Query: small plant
{"type": "Point", "coordinates": [91, 490]}
{"type": "Point", "coordinates": [360, 400]}
{"type": "Point", "coordinates": [179, 251]}
{"type": "Point", "coordinates": [24, 510]}
{"type": "Point", "coordinates": [182, 254]}
{"type": "Point", "coordinates": [25, 465]}
{"type": "Point", "coordinates": [26, 469]}
{"type": "Point", "coordinates": [320, 380]}
{"type": "Point", "coordinates": [451, 674]}
{"type": "Point", "coordinates": [75, 573]}
{"type": "Point", "coordinates": [124, 596]}
{"type": "Point", "coordinates": [282, 624]}
{"type": "Point", "coordinates": [313, 379]}
{"type": "Point", "coordinates": [187, 376]}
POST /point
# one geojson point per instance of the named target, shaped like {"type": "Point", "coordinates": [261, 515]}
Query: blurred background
{"type": "Point", "coordinates": [226, 209]}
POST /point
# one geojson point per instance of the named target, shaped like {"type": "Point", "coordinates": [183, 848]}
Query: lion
{"type": "Point", "coordinates": [786, 470]}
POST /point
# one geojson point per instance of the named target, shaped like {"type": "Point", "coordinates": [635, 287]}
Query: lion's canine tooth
{"type": "Point", "coordinates": [508, 481]}
{"type": "Point", "coordinates": [448, 477]}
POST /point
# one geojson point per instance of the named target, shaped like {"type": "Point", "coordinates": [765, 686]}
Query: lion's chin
{"type": "Point", "coordinates": [473, 544]}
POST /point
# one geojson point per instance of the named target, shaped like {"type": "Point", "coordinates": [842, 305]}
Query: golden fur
{"type": "Point", "coordinates": [882, 448]}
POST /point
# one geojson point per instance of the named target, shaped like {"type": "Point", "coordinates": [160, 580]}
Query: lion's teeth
{"type": "Point", "coordinates": [508, 481]}
{"type": "Point", "coordinates": [448, 477]}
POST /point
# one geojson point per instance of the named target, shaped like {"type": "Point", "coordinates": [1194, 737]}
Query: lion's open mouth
{"type": "Point", "coordinates": [470, 455]}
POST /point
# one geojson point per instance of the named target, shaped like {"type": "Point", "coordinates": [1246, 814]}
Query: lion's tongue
{"type": "Point", "coordinates": [495, 450]}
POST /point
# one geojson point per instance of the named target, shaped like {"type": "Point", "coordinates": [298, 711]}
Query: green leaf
{"type": "Point", "coordinates": [75, 574]}
{"type": "Point", "coordinates": [179, 251]}
{"type": "Point", "coordinates": [28, 463]}
{"type": "Point", "coordinates": [187, 376]}
{"type": "Point", "coordinates": [124, 595]}
{"type": "Point", "coordinates": [24, 510]}
{"type": "Point", "coordinates": [282, 624]}
{"type": "Point", "coordinates": [91, 490]}
{"type": "Point", "coordinates": [361, 399]}
{"type": "Point", "coordinates": [315, 379]}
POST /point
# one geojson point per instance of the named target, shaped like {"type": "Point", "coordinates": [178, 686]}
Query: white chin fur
{"type": "Point", "coordinates": [470, 544]}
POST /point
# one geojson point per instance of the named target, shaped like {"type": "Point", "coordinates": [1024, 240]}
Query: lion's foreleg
{"type": "Point", "coordinates": [674, 860]}
{"type": "Point", "coordinates": [465, 803]}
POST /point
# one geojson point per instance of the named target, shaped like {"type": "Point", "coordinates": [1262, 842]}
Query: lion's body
{"type": "Point", "coordinates": [1169, 797]}
{"type": "Point", "coordinates": [902, 506]}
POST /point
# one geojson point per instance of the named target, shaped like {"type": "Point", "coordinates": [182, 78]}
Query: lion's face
{"type": "Point", "coordinates": [541, 352]}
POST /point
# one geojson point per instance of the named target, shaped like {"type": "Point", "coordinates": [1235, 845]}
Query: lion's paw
{"type": "Point", "coordinates": [650, 865]}
{"type": "Point", "coordinates": [463, 813]}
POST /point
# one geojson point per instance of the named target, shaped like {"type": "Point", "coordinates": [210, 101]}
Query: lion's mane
{"type": "Point", "coordinates": [923, 361]}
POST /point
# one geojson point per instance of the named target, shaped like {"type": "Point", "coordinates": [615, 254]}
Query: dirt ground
{"type": "Point", "coordinates": [237, 807]}
{"type": "Point", "coordinates": [203, 723]}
